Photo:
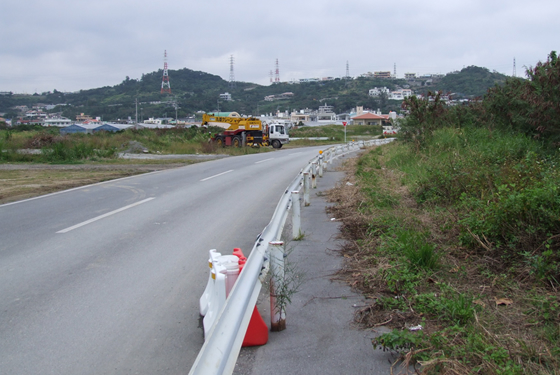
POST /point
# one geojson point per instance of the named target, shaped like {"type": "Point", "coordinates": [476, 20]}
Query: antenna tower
{"type": "Point", "coordinates": [347, 70]}
{"type": "Point", "coordinates": [231, 75]}
{"type": "Point", "coordinates": [165, 87]}
{"type": "Point", "coordinates": [271, 75]}
{"type": "Point", "coordinates": [395, 71]}
{"type": "Point", "coordinates": [514, 72]}
{"type": "Point", "coordinates": [277, 76]}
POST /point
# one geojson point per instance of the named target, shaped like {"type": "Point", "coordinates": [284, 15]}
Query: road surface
{"type": "Point", "coordinates": [105, 279]}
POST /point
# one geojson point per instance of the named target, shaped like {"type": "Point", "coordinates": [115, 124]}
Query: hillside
{"type": "Point", "coordinates": [471, 81]}
{"type": "Point", "coordinates": [195, 90]}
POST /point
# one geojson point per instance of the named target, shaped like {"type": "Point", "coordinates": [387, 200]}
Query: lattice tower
{"type": "Point", "coordinates": [165, 87]}
{"type": "Point", "coordinates": [231, 74]}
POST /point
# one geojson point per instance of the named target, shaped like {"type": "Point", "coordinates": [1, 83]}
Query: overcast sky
{"type": "Point", "coordinates": [70, 45]}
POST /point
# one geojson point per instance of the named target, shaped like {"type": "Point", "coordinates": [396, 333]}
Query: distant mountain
{"type": "Point", "coordinates": [193, 91]}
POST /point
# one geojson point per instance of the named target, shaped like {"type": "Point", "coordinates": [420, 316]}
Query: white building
{"type": "Point", "coordinates": [401, 94]}
{"type": "Point", "coordinates": [57, 121]}
{"type": "Point", "coordinates": [377, 91]}
{"type": "Point", "coordinates": [225, 96]}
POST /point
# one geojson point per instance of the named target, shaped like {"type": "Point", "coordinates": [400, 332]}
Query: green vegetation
{"type": "Point", "coordinates": [193, 91]}
{"type": "Point", "coordinates": [16, 143]}
{"type": "Point", "coordinates": [336, 132]}
{"type": "Point", "coordinates": [458, 232]}
{"type": "Point", "coordinates": [47, 145]}
{"type": "Point", "coordinates": [472, 81]}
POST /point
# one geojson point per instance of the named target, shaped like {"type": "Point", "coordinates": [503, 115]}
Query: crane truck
{"type": "Point", "coordinates": [255, 132]}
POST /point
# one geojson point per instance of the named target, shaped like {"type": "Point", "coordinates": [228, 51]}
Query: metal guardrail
{"type": "Point", "coordinates": [221, 348]}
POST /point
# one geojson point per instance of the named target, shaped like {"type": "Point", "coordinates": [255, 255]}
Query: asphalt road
{"type": "Point", "coordinates": [105, 279]}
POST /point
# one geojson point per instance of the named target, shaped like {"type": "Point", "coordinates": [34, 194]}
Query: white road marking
{"type": "Point", "coordinates": [103, 216]}
{"type": "Point", "coordinates": [77, 188]}
{"type": "Point", "coordinates": [216, 175]}
{"type": "Point", "coordinates": [262, 161]}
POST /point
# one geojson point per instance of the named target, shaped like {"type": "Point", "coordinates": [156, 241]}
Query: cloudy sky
{"type": "Point", "coordinates": [80, 44]}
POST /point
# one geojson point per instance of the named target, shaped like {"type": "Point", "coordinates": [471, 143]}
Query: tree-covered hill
{"type": "Point", "coordinates": [194, 91]}
{"type": "Point", "coordinates": [472, 81]}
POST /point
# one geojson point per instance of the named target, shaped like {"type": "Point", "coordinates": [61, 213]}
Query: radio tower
{"type": "Point", "coordinates": [395, 74]}
{"type": "Point", "coordinates": [165, 87]}
{"type": "Point", "coordinates": [277, 77]}
{"type": "Point", "coordinates": [231, 75]}
{"type": "Point", "coordinates": [514, 72]}
{"type": "Point", "coordinates": [347, 70]}
{"type": "Point", "coordinates": [271, 75]}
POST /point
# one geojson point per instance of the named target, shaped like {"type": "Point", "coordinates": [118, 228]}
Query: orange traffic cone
{"type": "Point", "coordinates": [257, 331]}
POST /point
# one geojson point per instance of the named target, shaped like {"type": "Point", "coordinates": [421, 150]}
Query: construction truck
{"type": "Point", "coordinates": [246, 130]}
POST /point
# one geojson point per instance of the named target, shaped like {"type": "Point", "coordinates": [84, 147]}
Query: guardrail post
{"type": "Point", "coordinates": [277, 280]}
{"type": "Point", "coordinates": [321, 162]}
{"type": "Point", "coordinates": [306, 183]}
{"type": "Point", "coordinates": [296, 215]}
{"type": "Point", "coordinates": [314, 175]}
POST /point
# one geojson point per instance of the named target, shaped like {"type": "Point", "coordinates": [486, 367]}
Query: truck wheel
{"type": "Point", "coordinates": [236, 142]}
{"type": "Point", "coordinates": [276, 144]}
{"type": "Point", "coordinates": [219, 142]}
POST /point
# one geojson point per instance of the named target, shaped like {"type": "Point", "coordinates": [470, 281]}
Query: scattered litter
{"type": "Point", "coordinates": [504, 301]}
{"type": "Point", "coordinates": [349, 184]}
{"type": "Point", "coordinates": [333, 219]}
{"type": "Point", "coordinates": [415, 328]}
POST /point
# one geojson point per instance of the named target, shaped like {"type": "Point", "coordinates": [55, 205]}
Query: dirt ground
{"type": "Point", "coordinates": [22, 181]}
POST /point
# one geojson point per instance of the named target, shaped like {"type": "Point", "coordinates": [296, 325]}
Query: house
{"type": "Point", "coordinates": [225, 96]}
{"type": "Point", "coordinates": [377, 91]}
{"type": "Point", "coordinates": [382, 75]}
{"type": "Point", "coordinates": [83, 118]}
{"type": "Point", "coordinates": [370, 119]}
{"type": "Point", "coordinates": [401, 94]}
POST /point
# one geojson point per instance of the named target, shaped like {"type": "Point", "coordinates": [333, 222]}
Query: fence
{"type": "Point", "coordinates": [223, 342]}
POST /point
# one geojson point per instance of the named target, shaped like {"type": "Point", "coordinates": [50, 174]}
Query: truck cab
{"type": "Point", "coordinates": [278, 135]}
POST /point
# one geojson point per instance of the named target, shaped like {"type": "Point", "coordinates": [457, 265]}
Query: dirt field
{"type": "Point", "coordinates": [22, 181]}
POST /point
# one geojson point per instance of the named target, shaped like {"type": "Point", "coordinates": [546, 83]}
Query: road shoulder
{"type": "Point", "coordinates": [320, 336]}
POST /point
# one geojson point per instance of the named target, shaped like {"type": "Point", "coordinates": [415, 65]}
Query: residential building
{"type": "Point", "coordinates": [57, 121]}
{"type": "Point", "coordinates": [83, 118]}
{"type": "Point", "coordinates": [382, 75]}
{"type": "Point", "coordinates": [225, 96]}
{"type": "Point", "coordinates": [370, 119]}
{"type": "Point", "coordinates": [377, 91]}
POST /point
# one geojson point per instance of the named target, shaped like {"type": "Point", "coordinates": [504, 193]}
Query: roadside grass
{"type": "Point", "coordinates": [336, 132]}
{"type": "Point", "coordinates": [38, 160]}
{"type": "Point", "coordinates": [457, 249]}
{"type": "Point", "coordinates": [52, 147]}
